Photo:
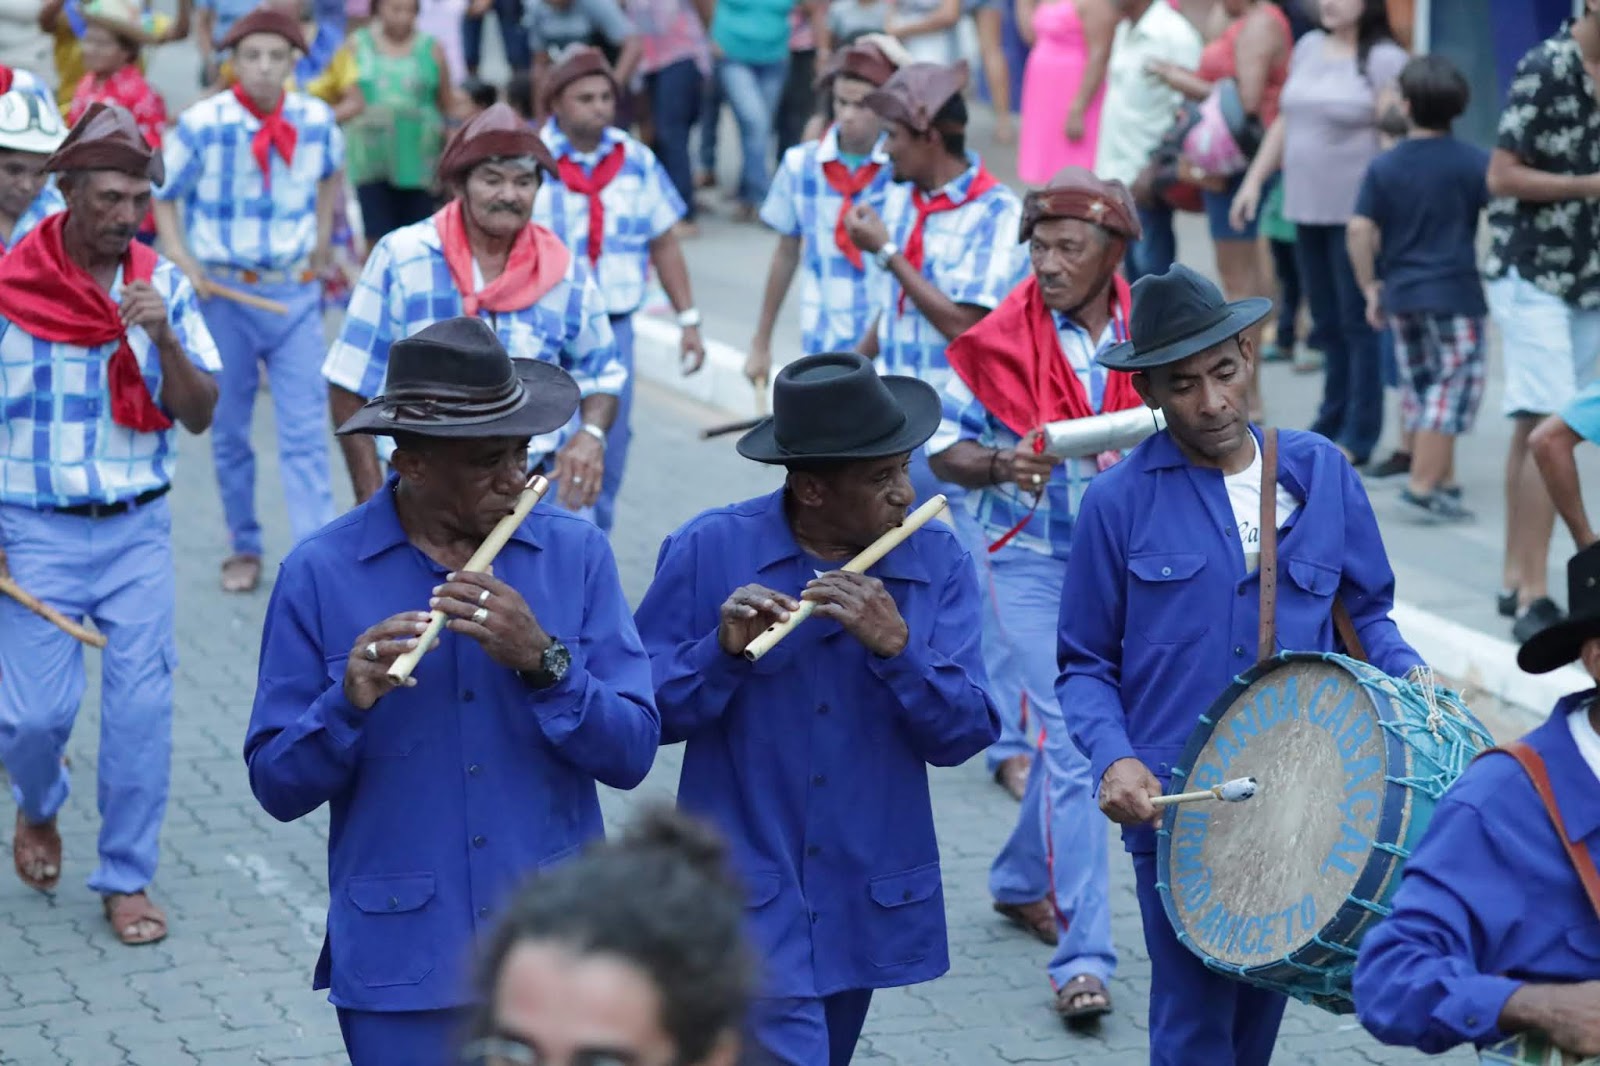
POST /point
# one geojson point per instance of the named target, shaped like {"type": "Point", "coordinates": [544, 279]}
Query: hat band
{"type": "Point", "coordinates": [1217, 317]}
{"type": "Point", "coordinates": [432, 409]}
{"type": "Point", "coordinates": [831, 445]}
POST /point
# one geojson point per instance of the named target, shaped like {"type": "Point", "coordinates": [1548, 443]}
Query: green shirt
{"type": "Point", "coordinates": [397, 139]}
{"type": "Point", "coordinates": [753, 31]}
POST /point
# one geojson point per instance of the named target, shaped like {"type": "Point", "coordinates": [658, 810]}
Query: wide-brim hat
{"type": "Point", "coordinates": [29, 124]}
{"type": "Point", "coordinates": [836, 407]}
{"type": "Point", "coordinates": [455, 379]}
{"type": "Point", "coordinates": [121, 17]}
{"type": "Point", "coordinates": [1176, 315]}
{"type": "Point", "coordinates": [1555, 646]}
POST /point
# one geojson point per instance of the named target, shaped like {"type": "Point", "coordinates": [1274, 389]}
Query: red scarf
{"type": "Point", "coordinates": [275, 132]}
{"type": "Point", "coordinates": [51, 297]}
{"type": "Point", "coordinates": [982, 182]}
{"type": "Point", "coordinates": [591, 186]}
{"type": "Point", "coordinates": [537, 263]}
{"type": "Point", "coordinates": [849, 186]}
{"type": "Point", "coordinates": [7, 76]}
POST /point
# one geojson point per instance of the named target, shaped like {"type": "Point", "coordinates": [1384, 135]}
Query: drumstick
{"type": "Point", "coordinates": [531, 493]}
{"type": "Point", "coordinates": [1236, 791]}
{"type": "Point", "coordinates": [249, 299]}
{"type": "Point", "coordinates": [50, 614]}
{"type": "Point", "coordinates": [731, 427]}
{"type": "Point", "coordinates": [871, 554]}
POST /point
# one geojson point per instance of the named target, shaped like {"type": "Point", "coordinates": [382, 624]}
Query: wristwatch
{"type": "Point", "coordinates": [886, 253]}
{"type": "Point", "coordinates": [553, 666]}
{"type": "Point", "coordinates": [594, 431]}
{"type": "Point", "coordinates": [689, 318]}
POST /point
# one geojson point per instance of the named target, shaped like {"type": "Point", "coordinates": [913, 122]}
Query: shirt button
{"type": "Point", "coordinates": [905, 897]}
{"type": "Point", "coordinates": [1472, 1021]}
{"type": "Point", "coordinates": [478, 841]}
{"type": "Point", "coordinates": [474, 770]}
{"type": "Point", "coordinates": [813, 850]}
{"type": "Point", "coordinates": [394, 903]}
{"type": "Point", "coordinates": [813, 916]}
{"type": "Point", "coordinates": [483, 912]}
{"type": "Point", "coordinates": [819, 780]}
{"type": "Point", "coordinates": [1238, 649]}
{"type": "Point", "coordinates": [823, 709]}
{"type": "Point", "coordinates": [467, 696]}
{"type": "Point", "coordinates": [1242, 590]}
{"type": "Point", "coordinates": [1166, 571]}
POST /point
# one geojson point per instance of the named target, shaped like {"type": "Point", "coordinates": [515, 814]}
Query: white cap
{"type": "Point", "coordinates": [29, 124]}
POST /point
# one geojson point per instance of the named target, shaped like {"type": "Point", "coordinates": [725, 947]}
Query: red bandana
{"type": "Point", "coordinates": [591, 186]}
{"type": "Point", "coordinates": [982, 182]}
{"type": "Point", "coordinates": [275, 132]}
{"type": "Point", "coordinates": [51, 297]}
{"type": "Point", "coordinates": [537, 263]}
{"type": "Point", "coordinates": [849, 186]}
{"type": "Point", "coordinates": [7, 76]}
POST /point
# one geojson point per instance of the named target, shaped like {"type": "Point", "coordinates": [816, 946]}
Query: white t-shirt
{"type": "Point", "coordinates": [1585, 737]}
{"type": "Point", "coordinates": [1244, 495]}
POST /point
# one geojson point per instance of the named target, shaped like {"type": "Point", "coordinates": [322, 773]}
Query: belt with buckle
{"type": "Point", "coordinates": [289, 276]}
{"type": "Point", "coordinates": [106, 510]}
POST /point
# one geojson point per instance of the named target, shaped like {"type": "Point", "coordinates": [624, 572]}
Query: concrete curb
{"type": "Point", "coordinates": [1472, 659]}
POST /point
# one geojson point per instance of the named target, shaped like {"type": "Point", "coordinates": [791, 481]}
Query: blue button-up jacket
{"type": "Point", "coordinates": [1489, 900]}
{"type": "Point", "coordinates": [445, 795]}
{"type": "Point", "coordinates": [814, 760]}
{"type": "Point", "coordinates": [1158, 614]}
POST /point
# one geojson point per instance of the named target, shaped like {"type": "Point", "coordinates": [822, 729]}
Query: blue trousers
{"type": "Point", "coordinates": [1352, 384]}
{"type": "Point", "coordinates": [753, 91]}
{"type": "Point", "coordinates": [402, 1038]}
{"type": "Point", "coordinates": [291, 346]}
{"type": "Point", "coordinates": [675, 105]}
{"type": "Point", "coordinates": [1197, 1015]}
{"type": "Point", "coordinates": [1155, 252]}
{"type": "Point", "coordinates": [617, 441]}
{"type": "Point", "coordinates": [508, 13]}
{"type": "Point", "coordinates": [118, 571]}
{"type": "Point", "coordinates": [1058, 846]}
{"type": "Point", "coordinates": [810, 1032]}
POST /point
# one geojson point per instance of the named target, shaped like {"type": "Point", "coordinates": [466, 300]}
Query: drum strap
{"type": "Point", "coordinates": [1577, 850]}
{"type": "Point", "coordinates": [1343, 624]}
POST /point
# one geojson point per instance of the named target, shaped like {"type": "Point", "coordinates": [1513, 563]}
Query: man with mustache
{"type": "Point", "coordinates": [813, 760]}
{"type": "Point", "coordinates": [30, 130]}
{"type": "Point", "coordinates": [482, 256]}
{"type": "Point", "coordinates": [252, 179]}
{"type": "Point", "coordinates": [1031, 362]}
{"type": "Point", "coordinates": [102, 349]}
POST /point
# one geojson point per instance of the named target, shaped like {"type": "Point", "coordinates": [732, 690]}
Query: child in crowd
{"type": "Point", "coordinates": [1412, 244]}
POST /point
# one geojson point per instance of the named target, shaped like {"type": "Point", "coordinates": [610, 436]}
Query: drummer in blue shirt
{"type": "Point", "coordinates": [1493, 932]}
{"type": "Point", "coordinates": [1161, 608]}
{"type": "Point", "coordinates": [813, 759]}
{"type": "Point", "coordinates": [446, 791]}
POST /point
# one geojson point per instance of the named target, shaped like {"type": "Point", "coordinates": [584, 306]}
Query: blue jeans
{"type": "Point", "coordinates": [711, 101]}
{"type": "Point", "coordinates": [1155, 252]}
{"type": "Point", "coordinates": [1352, 384]}
{"type": "Point", "coordinates": [605, 508]}
{"type": "Point", "coordinates": [753, 90]}
{"type": "Point", "coordinates": [675, 104]}
{"type": "Point", "coordinates": [508, 13]}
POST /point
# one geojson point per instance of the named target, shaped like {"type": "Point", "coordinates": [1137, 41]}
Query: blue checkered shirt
{"type": "Point", "coordinates": [230, 215]}
{"type": "Point", "coordinates": [406, 286]}
{"type": "Point", "coordinates": [58, 445]}
{"type": "Point", "coordinates": [640, 205]}
{"type": "Point", "coordinates": [999, 508]}
{"type": "Point", "coordinates": [971, 254]}
{"type": "Point", "coordinates": [835, 298]}
{"type": "Point", "coordinates": [47, 203]}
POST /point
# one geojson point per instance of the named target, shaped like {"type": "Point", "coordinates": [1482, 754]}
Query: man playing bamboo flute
{"type": "Point", "coordinates": [813, 759]}
{"type": "Point", "coordinates": [102, 349]}
{"type": "Point", "coordinates": [445, 791]}
{"type": "Point", "coordinates": [1029, 362]}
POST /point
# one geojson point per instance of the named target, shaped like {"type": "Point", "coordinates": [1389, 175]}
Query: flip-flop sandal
{"type": "Point", "coordinates": [125, 910]}
{"type": "Point", "coordinates": [241, 573]}
{"type": "Point", "coordinates": [1070, 996]}
{"type": "Point", "coordinates": [35, 846]}
{"type": "Point", "coordinates": [1037, 919]}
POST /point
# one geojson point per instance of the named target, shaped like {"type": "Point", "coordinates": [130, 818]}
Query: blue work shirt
{"type": "Point", "coordinates": [442, 796]}
{"type": "Point", "coordinates": [1489, 900]}
{"type": "Point", "coordinates": [1159, 614]}
{"type": "Point", "coordinates": [813, 760]}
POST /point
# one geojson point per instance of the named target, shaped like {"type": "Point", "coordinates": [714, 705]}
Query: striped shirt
{"type": "Point", "coordinates": [47, 203]}
{"type": "Point", "coordinates": [406, 286]}
{"type": "Point", "coordinates": [640, 205]}
{"type": "Point", "coordinates": [999, 508]}
{"type": "Point", "coordinates": [835, 298]}
{"type": "Point", "coordinates": [230, 215]}
{"type": "Point", "coordinates": [58, 445]}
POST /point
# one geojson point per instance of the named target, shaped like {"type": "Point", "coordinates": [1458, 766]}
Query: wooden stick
{"type": "Point", "coordinates": [249, 299]}
{"type": "Point", "coordinates": [1236, 791]}
{"type": "Point", "coordinates": [50, 614]}
{"type": "Point", "coordinates": [731, 427]}
{"type": "Point", "coordinates": [536, 488]}
{"type": "Point", "coordinates": [870, 555]}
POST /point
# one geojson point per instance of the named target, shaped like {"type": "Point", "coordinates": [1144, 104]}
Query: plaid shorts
{"type": "Point", "coordinates": [1441, 361]}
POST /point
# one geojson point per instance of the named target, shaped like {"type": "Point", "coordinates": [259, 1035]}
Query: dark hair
{"type": "Point", "coordinates": [1371, 30]}
{"type": "Point", "coordinates": [662, 898]}
{"type": "Point", "coordinates": [481, 93]}
{"type": "Point", "coordinates": [519, 94]}
{"type": "Point", "coordinates": [1436, 91]}
{"type": "Point", "coordinates": [951, 125]}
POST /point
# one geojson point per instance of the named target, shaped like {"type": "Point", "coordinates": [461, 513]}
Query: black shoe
{"type": "Point", "coordinates": [1540, 615]}
{"type": "Point", "coordinates": [1397, 464]}
{"type": "Point", "coordinates": [1437, 505]}
{"type": "Point", "coordinates": [1505, 603]}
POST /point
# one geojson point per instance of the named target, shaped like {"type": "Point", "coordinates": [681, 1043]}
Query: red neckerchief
{"type": "Point", "coordinates": [848, 185]}
{"type": "Point", "coordinates": [591, 186]}
{"type": "Point", "coordinates": [982, 182]}
{"type": "Point", "coordinates": [7, 76]}
{"type": "Point", "coordinates": [275, 132]}
{"type": "Point", "coordinates": [51, 297]}
{"type": "Point", "coordinates": [537, 263]}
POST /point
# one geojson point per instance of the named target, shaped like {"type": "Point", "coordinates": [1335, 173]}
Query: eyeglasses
{"type": "Point", "coordinates": [498, 1051]}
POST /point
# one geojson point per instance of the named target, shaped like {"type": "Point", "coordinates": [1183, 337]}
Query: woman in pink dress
{"type": "Point", "coordinates": [1062, 84]}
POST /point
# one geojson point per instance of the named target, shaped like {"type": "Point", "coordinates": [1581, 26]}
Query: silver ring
{"type": "Point", "coordinates": [576, 480]}
{"type": "Point", "coordinates": [372, 652]}
{"type": "Point", "coordinates": [481, 615]}
{"type": "Point", "coordinates": [483, 597]}
{"type": "Point", "coordinates": [1037, 479]}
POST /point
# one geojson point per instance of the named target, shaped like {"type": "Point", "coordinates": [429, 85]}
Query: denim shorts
{"type": "Point", "coordinates": [1218, 204]}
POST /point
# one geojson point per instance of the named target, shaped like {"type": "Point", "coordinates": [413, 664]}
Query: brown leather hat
{"type": "Point", "coordinates": [108, 138]}
{"type": "Point", "coordinates": [266, 20]}
{"type": "Point", "coordinates": [497, 132]}
{"type": "Point", "coordinates": [861, 60]}
{"type": "Point", "coordinates": [577, 62]}
{"type": "Point", "coordinates": [1075, 192]}
{"type": "Point", "coordinates": [914, 95]}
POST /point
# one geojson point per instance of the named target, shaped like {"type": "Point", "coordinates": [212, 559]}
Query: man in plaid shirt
{"type": "Point", "coordinates": [102, 348]}
{"type": "Point", "coordinates": [481, 255]}
{"type": "Point", "coordinates": [615, 206]}
{"type": "Point", "coordinates": [252, 179]}
{"type": "Point", "coordinates": [30, 130]}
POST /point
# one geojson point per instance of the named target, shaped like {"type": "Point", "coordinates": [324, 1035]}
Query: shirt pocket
{"type": "Point", "coordinates": [1165, 598]}
{"type": "Point", "coordinates": [387, 937]}
{"type": "Point", "coordinates": [1305, 603]}
{"type": "Point", "coordinates": [907, 916]}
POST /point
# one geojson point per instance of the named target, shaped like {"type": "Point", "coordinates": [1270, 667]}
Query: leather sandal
{"type": "Point", "coordinates": [36, 853]}
{"type": "Point", "coordinates": [1083, 1001]}
{"type": "Point", "coordinates": [1037, 919]}
{"type": "Point", "coordinates": [241, 573]}
{"type": "Point", "coordinates": [126, 910]}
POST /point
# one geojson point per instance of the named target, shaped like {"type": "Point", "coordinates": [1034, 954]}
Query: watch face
{"type": "Point", "coordinates": [556, 660]}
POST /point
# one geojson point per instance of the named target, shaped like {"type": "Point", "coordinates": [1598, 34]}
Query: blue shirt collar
{"type": "Point", "coordinates": [562, 148]}
{"type": "Point", "coordinates": [1577, 793]}
{"type": "Point", "coordinates": [381, 529]}
{"type": "Point", "coordinates": [1161, 452]}
{"type": "Point", "coordinates": [777, 545]}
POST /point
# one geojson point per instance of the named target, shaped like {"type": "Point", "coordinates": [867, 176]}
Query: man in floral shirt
{"type": "Point", "coordinates": [1544, 292]}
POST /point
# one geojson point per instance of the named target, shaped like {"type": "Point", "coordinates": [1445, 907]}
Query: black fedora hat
{"type": "Point", "coordinates": [455, 379]}
{"type": "Point", "coordinates": [1555, 646]}
{"type": "Point", "coordinates": [837, 407]}
{"type": "Point", "coordinates": [1177, 314]}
